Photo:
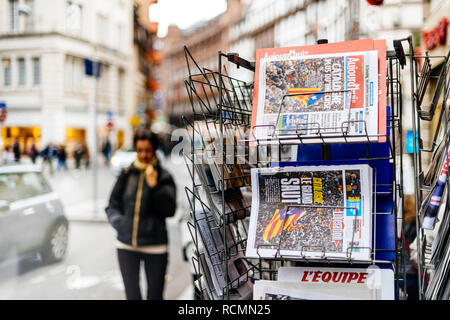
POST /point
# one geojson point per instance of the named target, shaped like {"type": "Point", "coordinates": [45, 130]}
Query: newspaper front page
{"type": "Point", "coordinates": [322, 283]}
{"type": "Point", "coordinates": [312, 212]}
{"type": "Point", "coordinates": [288, 83]}
{"type": "Point", "coordinates": [329, 95]}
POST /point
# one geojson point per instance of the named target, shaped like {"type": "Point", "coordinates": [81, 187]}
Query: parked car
{"type": "Point", "coordinates": [122, 159]}
{"type": "Point", "coordinates": [32, 219]}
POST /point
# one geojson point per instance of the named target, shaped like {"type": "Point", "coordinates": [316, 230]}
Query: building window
{"type": "Point", "coordinates": [73, 18]}
{"type": "Point", "coordinates": [104, 88]}
{"type": "Point", "coordinates": [6, 72]}
{"type": "Point", "coordinates": [29, 14]}
{"type": "Point", "coordinates": [121, 93]}
{"type": "Point", "coordinates": [36, 71]}
{"type": "Point", "coordinates": [102, 28]}
{"type": "Point", "coordinates": [14, 15]}
{"type": "Point", "coordinates": [74, 71]}
{"type": "Point", "coordinates": [21, 71]}
{"type": "Point", "coordinates": [119, 37]}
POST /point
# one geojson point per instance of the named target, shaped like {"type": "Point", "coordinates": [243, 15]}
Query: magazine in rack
{"type": "Point", "coordinates": [336, 89]}
{"type": "Point", "coordinates": [236, 205]}
{"type": "Point", "coordinates": [313, 212]}
{"type": "Point", "coordinates": [212, 239]}
{"type": "Point", "coordinates": [218, 158]}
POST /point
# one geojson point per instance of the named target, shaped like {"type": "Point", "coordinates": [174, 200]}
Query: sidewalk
{"type": "Point", "coordinates": [85, 211]}
{"type": "Point", "coordinates": [75, 190]}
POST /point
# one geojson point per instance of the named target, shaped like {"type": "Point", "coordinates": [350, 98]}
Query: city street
{"type": "Point", "coordinates": [90, 269]}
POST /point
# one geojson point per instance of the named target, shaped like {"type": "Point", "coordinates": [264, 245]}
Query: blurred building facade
{"type": "Point", "coordinates": [282, 23]}
{"type": "Point", "coordinates": [43, 44]}
{"type": "Point", "coordinates": [435, 27]}
{"type": "Point", "coordinates": [145, 60]}
{"type": "Point", "coordinates": [204, 40]}
{"type": "Point", "coordinates": [394, 19]}
{"type": "Point", "coordinates": [435, 42]}
{"type": "Point", "coordinates": [246, 26]}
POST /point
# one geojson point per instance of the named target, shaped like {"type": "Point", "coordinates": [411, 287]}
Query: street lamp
{"type": "Point", "coordinates": [93, 68]}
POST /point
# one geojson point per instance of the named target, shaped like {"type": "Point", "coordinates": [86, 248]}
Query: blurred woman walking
{"type": "Point", "coordinates": [142, 198]}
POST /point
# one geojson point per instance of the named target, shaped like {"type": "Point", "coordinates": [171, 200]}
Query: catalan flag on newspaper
{"type": "Point", "coordinates": [282, 220]}
{"type": "Point", "coordinates": [307, 96]}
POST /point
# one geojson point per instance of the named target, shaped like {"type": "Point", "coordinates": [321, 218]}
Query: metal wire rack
{"type": "Point", "coordinates": [221, 134]}
{"type": "Point", "coordinates": [422, 74]}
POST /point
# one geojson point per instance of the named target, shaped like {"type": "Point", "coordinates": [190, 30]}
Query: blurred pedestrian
{"type": "Point", "coordinates": [412, 285]}
{"type": "Point", "coordinates": [33, 153]}
{"type": "Point", "coordinates": [106, 150]}
{"type": "Point", "coordinates": [86, 156]}
{"type": "Point", "coordinates": [61, 154]}
{"type": "Point", "coordinates": [78, 155]}
{"type": "Point", "coordinates": [142, 198]}
{"type": "Point", "coordinates": [8, 155]}
{"type": "Point", "coordinates": [47, 155]}
{"type": "Point", "coordinates": [16, 150]}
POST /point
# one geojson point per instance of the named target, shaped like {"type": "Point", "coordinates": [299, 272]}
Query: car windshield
{"type": "Point", "coordinates": [18, 186]}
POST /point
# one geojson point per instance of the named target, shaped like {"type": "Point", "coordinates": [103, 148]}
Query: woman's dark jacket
{"type": "Point", "coordinates": [137, 211]}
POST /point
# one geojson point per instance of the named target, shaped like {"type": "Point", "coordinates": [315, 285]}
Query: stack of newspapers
{"type": "Point", "coordinates": [213, 255]}
{"type": "Point", "coordinates": [224, 201]}
{"type": "Point", "coordinates": [435, 219]}
{"type": "Point", "coordinates": [235, 204]}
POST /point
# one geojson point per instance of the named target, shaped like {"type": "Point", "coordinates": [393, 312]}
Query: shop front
{"type": "Point", "coordinates": [26, 136]}
{"type": "Point", "coordinates": [74, 136]}
{"type": "Point", "coordinates": [120, 138]}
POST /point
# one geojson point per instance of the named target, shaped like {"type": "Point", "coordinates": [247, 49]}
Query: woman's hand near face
{"type": "Point", "coordinates": [151, 176]}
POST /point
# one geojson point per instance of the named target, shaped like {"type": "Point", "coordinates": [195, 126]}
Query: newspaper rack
{"type": "Point", "coordinates": [431, 272]}
{"type": "Point", "coordinates": [221, 107]}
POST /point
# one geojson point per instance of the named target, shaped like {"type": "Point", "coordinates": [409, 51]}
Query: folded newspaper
{"type": "Point", "coordinates": [235, 206]}
{"type": "Point", "coordinates": [238, 271]}
{"type": "Point", "coordinates": [311, 212]}
{"type": "Point", "coordinates": [433, 201]}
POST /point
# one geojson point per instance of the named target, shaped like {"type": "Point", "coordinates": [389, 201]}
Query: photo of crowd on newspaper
{"type": "Point", "coordinates": [310, 232]}
{"type": "Point", "coordinates": [306, 80]}
{"type": "Point", "coordinates": [353, 183]}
